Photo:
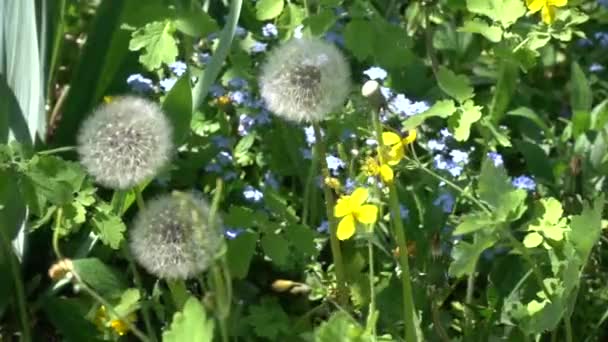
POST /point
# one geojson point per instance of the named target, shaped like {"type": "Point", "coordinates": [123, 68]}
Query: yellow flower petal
{"type": "Point", "coordinates": [557, 3]}
{"type": "Point", "coordinates": [386, 173]}
{"type": "Point", "coordinates": [548, 14]}
{"type": "Point", "coordinates": [342, 207]}
{"type": "Point", "coordinates": [535, 5]}
{"type": "Point", "coordinates": [358, 197]}
{"type": "Point", "coordinates": [390, 138]}
{"type": "Point", "coordinates": [346, 227]}
{"type": "Point", "coordinates": [395, 155]}
{"type": "Point", "coordinates": [410, 138]}
{"type": "Point", "coordinates": [367, 214]}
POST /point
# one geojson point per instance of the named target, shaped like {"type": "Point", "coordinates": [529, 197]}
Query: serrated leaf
{"type": "Point", "coordinates": [158, 43]}
{"type": "Point", "coordinates": [276, 248]}
{"type": "Point", "coordinates": [505, 12]}
{"type": "Point", "coordinates": [466, 254]}
{"type": "Point", "coordinates": [442, 109]}
{"type": "Point", "coordinates": [533, 240]}
{"type": "Point", "coordinates": [240, 252]}
{"type": "Point", "coordinates": [340, 327]}
{"type": "Point", "coordinates": [109, 227]}
{"type": "Point", "coordinates": [268, 319]}
{"type": "Point", "coordinates": [456, 86]}
{"type": "Point", "coordinates": [469, 114]}
{"type": "Point", "coordinates": [474, 222]}
{"type": "Point", "coordinates": [105, 280]}
{"type": "Point", "coordinates": [268, 9]}
{"type": "Point", "coordinates": [491, 32]}
{"type": "Point", "coordinates": [129, 303]}
{"type": "Point", "coordinates": [190, 324]}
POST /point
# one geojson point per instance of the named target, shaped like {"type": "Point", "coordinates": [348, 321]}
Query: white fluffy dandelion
{"type": "Point", "coordinates": [124, 142]}
{"type": "Point", "coordinates": [173, 237]}
{"type": "Point", "coordinates": [305, 79]}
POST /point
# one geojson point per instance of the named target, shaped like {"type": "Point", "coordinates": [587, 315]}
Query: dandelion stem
{"type": "Point", "coordinates": [19, 287]}
{"type": "Point", "coordinates": [58, 150]}
{"type": "Point", "coordinates": [329, 206]}
{"type": "Point", "coordinates": [409, 309]}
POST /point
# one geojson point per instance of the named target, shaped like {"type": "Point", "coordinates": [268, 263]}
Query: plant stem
{"type": "Point", "coordinates": [329, 206]}
{"type": "Point", "coordinates": [371, 316]}
{"type": "Point", "coordinates": [409, 310]}
{"type": "Point", "coordinates": [56, 249]}
{"type": "Point", "coordinates": [221, 297]}
{"type": "Point", "coordinates": [568, 327]}
{"type": "Point", "coordinates": [14, 266]}
{"type": "Point", "coordinates": [58, 150]}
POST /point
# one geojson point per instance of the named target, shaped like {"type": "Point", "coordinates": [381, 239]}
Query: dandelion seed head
{"type": "Point", "coordinates": [304, 80]}
{"type": "Point", "coordinates": [172, 237]}
{"type": "Point", "coordinates": [125, 142]}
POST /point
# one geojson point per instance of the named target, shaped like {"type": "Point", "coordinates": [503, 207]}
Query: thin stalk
{"type": "Point", "coordinates": [220, 302]}
{"type": "Point", "coordinates": [58, 150]}
{"type": "Point", "coordinates": [568, 327]}
{"type": "Point", "coordinates": [26, 335]}
{"type": "Point", "coordinates": [179, 293]}
{"type": "Point", "coordinates": [409, 310]}
{"type": "Point", "coordinates": [145, 310]}
{"type": "Point", "coordinates": [371, 316]}
{"type": "Point", "coordinates": [56, 248]}
{"type": "Point", "coordinates": [329, 206]}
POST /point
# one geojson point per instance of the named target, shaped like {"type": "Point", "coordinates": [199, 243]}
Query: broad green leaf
{"type": "Point", "coordinates": [196, 23]}
{"type": "Point", "coordinates": [359, 38]}
{"type": "Point", "coordinates": [466, 254]}
{"type": "Point", "coordinates": [268, 319]}
{"type": "Point", "coordinates": [535, 306]}
{"type": "Point", "coordinates": [109, 227]}
{"type": "Point", "coordinates": [240, 252]}
{"type": "Point", "coordinates": [531, 115]}
{"type": "Point", "coordinates": [53, 179]}
{"type": "Point", "coordinates": [495, 188]}
{"type": "Point", "coordinates": [537, 161]}
{"type": "Point", "coordinates": [340, 327]}
{"type": "Point", "coordinates": [456, 86]}
{"type": "Point", "coordinates": [532, 240]}
{"type": "Point", "coordinates": [392, 50]}
{"type": "Point", "coordinates": [586, 228]}
{"type": "Point", "coordinates": [599, 116]}
{"type": "Point", "coordinates": [158, 43]}
{"type": "Point", "coordinates": [291, 18]}
{"type": "Point", "coordinates": [13, 125]}
{"type": "Point", "coordinates": [279, 206]}
{"type": "Point", "coordinates": [178, 107]}
{"type": "Point", "coordinates": [469, 114]}
{"type": "Point", "coordinates": [321, 22]}
{"type": "Point", "coordinates": [268, 9]}
{"type": "Point", "coordinates": [190, 324]}
{"type": "Point", "coordinates": [12, 204]}
{"type": "Point", "coordinates": [105, 280]}
{"type": "Point", "coordinates": [505, 12]}
{"type": "Point", "coordinates": [581, 99]}
{"type": "Point", "coordinates": [491, 32]}
{"type": "Point", "coordinates": [474, 222]}
{"type": "Point", "coordinates": [505, 88]}
{"type": "Point", "coordinates": [276, 248]}
{"type": "Point", "coordinates": [550, 224]}
{"type": "Point", "coordinates": [68, 316]}
{"type": "Point", "coordinates": [442, 109]}
{"type": "Point", "coordinates": [302, 239]}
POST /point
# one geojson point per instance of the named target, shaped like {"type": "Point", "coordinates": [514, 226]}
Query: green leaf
{"type": "Point", "coordinates": [586, 228]}
{"type": "Point", "coordinates": [581, 99]}
{"type": "Point", "coordinates": [599, 116]}
{"type": "Point", "coordinates": [392, 50]}
{"type": "Point", "coordinates": [505, 88]}
{"type": "Point", "coordinates": [474, 222]}
{"type": "Point", "coordinates": [12, 121]}
{"type": "Point", "coordinates": [196, 24]}
{"type": "Point", "coordinates": [495, 188]}
{"type": "Point", "coordinates": [466, 254]}
{"type": "Point", "coordinates": [340, 327]}
{"type": "Point", "coordinates": [68, 317]}
{"type": "Point", "coordinates": [268, 319]}
{"type": "Point", "coordinates": [531, 115]}
{"type": "Point", "coordinates": [279, 206]}
{"type": "Point", "coordinates": [240, 252]}
{"type": "Point", "coordinates": [54, 179]}
{"type": "Point", "coordinates": [550, 224]}
{"type": "Point", "coordinates": [276, 248]}
{"type": "Point", "coordinates": [321, 22]}
{"type": "Point", "coordinates": [491, 32]}
{"type": "Point", "coordinates": [505, 12]}
{"type": "Point", "coordinates": [12, 204]}
{"type": "Point", "coordinates": [302, 238]}
{"type": "Point", "coordinates": [191, 324]}
{"type": "Point", "coordinates": [537, 161]}
{"type": "Point", "coordinates": [533, 240]}
{"type": "Point", "coordinates": [178, 106]}
{"type": "Point", "coordinates": [158, 43]}
{"type": "Point", "coordinates": [456, 86]}
{"type": "Point", "coordinates": [105, 280]}
{"type": "Point", "coordinates": [442, 109]}
{"type": "Point", "coordinates": [359, 38]}
{"type": "Point", "coordinates": [109, 227]}
{"type": "Point", "coordinates": [268, 9]}
{"type": "Point", "coordinates": [469, 114]}
{"type": "Point", "coordinates": [129, 303]}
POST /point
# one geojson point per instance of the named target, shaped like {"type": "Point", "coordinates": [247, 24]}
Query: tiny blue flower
{"type": "Point", "coordinates": [459, 156]}
{"type": "Point", "coordinates": [237, 83]}
{"type": "Point", "coordinates": [139, 84]}
{"type": "Point", "coordinates": [221, 141]}
{"type": "Point", "coordinates": [440, 162]}
{"type": "Point", "coordinates": [596, 67]}
{"type": "Point", "coordinates": [349, 185]}
{"type": "Point", "coordinates": [240, 32]}
{"type": "Point", "coordinates": [406, 107]}
{"type": "Point", "coordinates": [444, 132]}
{"type": "Point", "coordinates": [245, 124]}
{"type": "Point", "coordinates": [602, 38]}
{"type": "Point", "coordinates": [524, 182]}
{"type": "Point", "coordinates": [454, 169]}
{"type": "Point", "coordinates": [334, 37]}
{"type": "Point", "coordinates": [271, 180]}
{"type": "Point", "coordinates": [178, 68]}
{"type": "Point", "coordinates": [167, 84]}
{"type": "Point", "coordinates": [263, 118]}
{"type": "Point", "coordinates": [230, 175]}
{"type": "Point", "coordinates": [204, 57]}
{"type": "Point", "coordinates": [334, 163]}
{"type": "Point", "coordinates": [232, 233]}
{"type": "Point", "coordinates": [404, 211]}
{"type": "Point", "coordinates": [213, 167]}
{"type": "Point", "coordinates": [446, 201]}
{"type": "Point", "coordinates": [216, 90]}
{"type": "Point", "coordinates": [386, 92]}
{"type": "Point", "coordinates": [435, 145]}
{"type": "Point", "coordinates": [252, 194]}
{"type": "Point", "coordinates": [306, 153]}
{"type": "Point", "coordinates": [269, 30]}
{"type": "Point", "coordinates": [323, 227]}
{"type": "Point", "coordinates": [309, 133]}
{"type": "Point", "coordinates": [224, 158]}
{"type": "Point", "coordinates": [376, 73]}
{"type": "Point", "coordinates": [496, 158]}
{"type": "Point", "coordinates": [258, 47]}
{"type": "Point", "coordinates": [239, 97]}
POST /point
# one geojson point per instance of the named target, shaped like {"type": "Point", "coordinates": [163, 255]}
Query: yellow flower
{"type": "Point", "coordinates": [223, 101]}
{"type": "Point", "coordinates": [332, 182]}
{"type": "Point", "coordinates": [119, 326]}
{"type": "Point", "coordinates": [547, 8]}
{"type": "Point", "coordinates": [397, 145]}
{"type": "Point", "coordinates": [373, 168]}
{"type": "Point", "coordinates": [351, 209]}
{"type": "Point", "coordinates": [108, 99]}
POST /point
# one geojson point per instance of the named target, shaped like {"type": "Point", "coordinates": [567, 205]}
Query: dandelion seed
{"type": "Point", "coordinates": [304, 80]}
{"type": "Point", "coordinates": [173, 237]}
{"type": "Point", "coordinates": [125, 142]}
